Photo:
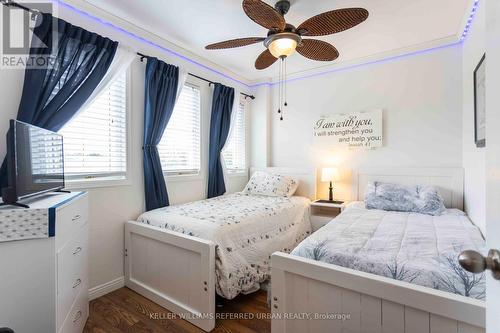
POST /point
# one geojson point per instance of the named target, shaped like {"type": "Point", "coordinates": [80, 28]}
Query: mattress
{"type": "Point", "coordinates": [247, 229]}
{"type": "Point", "coordinates": [411, 247]}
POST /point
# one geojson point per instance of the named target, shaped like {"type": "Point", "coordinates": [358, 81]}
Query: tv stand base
{"type": "Point", "coordinates": [15, 204]}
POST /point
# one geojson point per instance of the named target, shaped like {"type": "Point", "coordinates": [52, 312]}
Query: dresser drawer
{"type": "Point", "coordinates": [70, 218]}
{"type": "Point", "coordinates": [77, 316]}
{"type": "Point", "coordinates": [72, 266]}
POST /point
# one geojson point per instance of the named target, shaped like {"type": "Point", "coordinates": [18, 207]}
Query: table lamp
{"type": "Point", "coordinates": [330, 175]}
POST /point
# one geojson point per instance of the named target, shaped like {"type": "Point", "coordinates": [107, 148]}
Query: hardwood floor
{"type": "Point", "coordinates": [126, 311]}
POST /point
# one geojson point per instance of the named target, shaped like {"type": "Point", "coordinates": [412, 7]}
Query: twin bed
{"type": "Point", "coordinates": [181, 256]}
{"type": "Point", "coordinates": [246, 229]}
{"type": "Point", "coordinates": [366, 271]}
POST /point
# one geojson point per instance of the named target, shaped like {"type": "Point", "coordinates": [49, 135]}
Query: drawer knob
{"type": "Point", "coordinates": [77, 250]}
{"type": "Point", "coordinates": [77, 283]}
{"type": "Point", "coordinates": [76, 217]}
{"type": "Point", "coordinates": [77, 317]}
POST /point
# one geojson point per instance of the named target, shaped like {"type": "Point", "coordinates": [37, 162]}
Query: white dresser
{"type": "Point", "coordinates": [44, 265]}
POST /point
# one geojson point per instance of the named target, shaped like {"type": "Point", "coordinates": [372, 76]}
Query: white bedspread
{"type": "Point", "coordinates": [411, 247]}
{"type": "Point", "coordinates": [247, 230]}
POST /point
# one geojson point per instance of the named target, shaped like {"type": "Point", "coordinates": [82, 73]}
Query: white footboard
{"type": "Point", "coordinates": [351, 301]}
{"type": "Point", "coordinates": [174, 270]}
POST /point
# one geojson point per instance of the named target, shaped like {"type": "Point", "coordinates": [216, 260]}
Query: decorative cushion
{"type": "Point", "coordinates": [402, 198]}
{"type": "Point", "coordinates": [273, 185]}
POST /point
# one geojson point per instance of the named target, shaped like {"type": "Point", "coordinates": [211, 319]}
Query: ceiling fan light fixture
{"type": "Point", "coordinates": [283, 47]}
{"type": "Point", "coordinates": [283, 39]}
{"type": "Point", "coordinates": [282, 44]}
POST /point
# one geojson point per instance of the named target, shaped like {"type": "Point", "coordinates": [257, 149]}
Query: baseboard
{"type": "Point", "coordinates": [106, 288]}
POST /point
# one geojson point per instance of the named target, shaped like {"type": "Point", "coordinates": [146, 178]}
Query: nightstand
{"type": "Point", "coordinates": [323, 211]}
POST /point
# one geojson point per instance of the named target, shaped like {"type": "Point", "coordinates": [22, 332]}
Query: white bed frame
{"type": "Point", "coordinates": [178, 271]}
{"type": "Point", "coordinates": [374, 303]}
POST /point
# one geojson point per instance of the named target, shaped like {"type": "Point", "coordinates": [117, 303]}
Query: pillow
{"type": "Point", "coordinates": [402, 198]}
{"type": "Point", "coordinates": [432, 201]}
{"type": "Point", "coordinates": [274, 185]}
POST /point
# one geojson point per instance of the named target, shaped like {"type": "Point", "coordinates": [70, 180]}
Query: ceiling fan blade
{"type": "Point", "coordinates": [333, 21]}
{"type": "Point", "coordinates": [317, 50]}
{"type": "Point", "coordinates": [263, 14]}
{"type": "Point", "coordinates": [264, 60]}
{"type": "Point", "coordinates": [228, 44]}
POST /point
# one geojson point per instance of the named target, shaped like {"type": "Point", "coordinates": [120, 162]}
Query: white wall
{"type": "Point", "coordinates": [492, 156]}
{"type": "Point", "coordinates": [421, 99]}
{"type": "Point", "coordinates": [473, 157]}
{"type": "Point", "coordinates": [110, 207]}
{"type": "Point", "coordinates": [260, 127]}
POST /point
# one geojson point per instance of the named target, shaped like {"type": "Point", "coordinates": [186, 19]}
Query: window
{"type": "Point", "coordinates": [235, 149]}
{"type": "Point", "coordinates": [95, 140]}
{"type": "Point", "coordinates": [179, 147]}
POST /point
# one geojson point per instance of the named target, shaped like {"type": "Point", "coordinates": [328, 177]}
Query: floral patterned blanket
{"type": "Point", "coordinates": [411, 247]}
{"type": "Point", "coordinates": [247, 229]}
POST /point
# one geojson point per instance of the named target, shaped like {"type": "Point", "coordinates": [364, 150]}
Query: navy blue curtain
{"type": "Point", "coordinates": [159, 101]}
{"type": "Point", "coordinates": [77, 62]}
{"type": "Point", "coordinates": [220, 122]}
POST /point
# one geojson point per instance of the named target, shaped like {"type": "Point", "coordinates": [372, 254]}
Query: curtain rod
{"type": "Point", "coordinates": [11, 3]}
{"type": "Point", "coordinates": [198, 77]}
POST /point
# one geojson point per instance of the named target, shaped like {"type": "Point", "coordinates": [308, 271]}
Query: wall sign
{"type": "Point", "coordinates": [353, 130]}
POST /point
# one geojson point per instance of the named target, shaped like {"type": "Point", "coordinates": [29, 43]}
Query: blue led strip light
{"type": "Point", "coordinates": [379, 61]}
{"type": "Point", "coordinates": [469, 20]}
{"type": "Point", "coordinates": [462, 39]}
{"type": "Point", "coordinates": [146, 41]}
{"type": "Point", "coordinates": [178, 55]}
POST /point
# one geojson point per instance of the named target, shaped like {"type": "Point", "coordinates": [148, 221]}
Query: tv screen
{"type": "Point", "coordinates": [35, 160]}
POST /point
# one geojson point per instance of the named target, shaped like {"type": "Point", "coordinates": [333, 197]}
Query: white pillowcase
{"type": "Point", "coordinates": [273, 185]}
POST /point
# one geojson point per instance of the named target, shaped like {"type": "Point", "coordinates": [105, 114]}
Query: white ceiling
{"type": "Point", "coordinates": [393, 25]}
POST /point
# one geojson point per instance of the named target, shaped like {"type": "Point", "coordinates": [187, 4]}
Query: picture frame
{"type": "Point", "coordinates": [480, 103]}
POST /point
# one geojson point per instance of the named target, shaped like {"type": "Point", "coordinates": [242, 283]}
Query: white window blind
{"type": "Point", "coordinates": [95, 140]}
{"type": "Point", "coordinates": [235, 150]}
{"type": "Point", "coordinates": [46, 154]}
{"type": "Point", "coordinates": [179, 147]}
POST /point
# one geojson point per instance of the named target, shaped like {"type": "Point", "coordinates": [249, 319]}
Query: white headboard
{"type": "Point", "coordinates": [306, 178]}
{"type": "Point", "coordinates": [449, 181]}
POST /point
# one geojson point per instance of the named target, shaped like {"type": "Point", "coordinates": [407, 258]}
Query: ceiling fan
{"type": "Point", "coordinates": [283, 39]}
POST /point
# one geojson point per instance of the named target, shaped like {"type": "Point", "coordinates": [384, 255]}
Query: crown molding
{"type": "Point", "coordinates": [371, 59]}
{"type": "Point", "coordinates": [150, 38]}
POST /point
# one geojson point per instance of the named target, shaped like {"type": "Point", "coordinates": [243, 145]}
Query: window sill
{"type": "Point", "coordinates": [183, 178]}
{"type": "Point", "coordinates": [96, 183]}
{"type": "Point", "coordinates": [237, 174]}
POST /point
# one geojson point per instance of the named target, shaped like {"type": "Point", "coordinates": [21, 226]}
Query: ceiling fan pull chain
{"type": "Point", "coordinates": [285, 83]}
{"type": "Point", "coordinates": [279, 88]}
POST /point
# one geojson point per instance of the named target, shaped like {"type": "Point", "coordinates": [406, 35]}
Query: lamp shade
{"type": "Point", "coordinates": [282, 47]}
{"type": "Point", "coordinates": [329, 174]}
{"type": "Point", "coordinates": [282, 44]}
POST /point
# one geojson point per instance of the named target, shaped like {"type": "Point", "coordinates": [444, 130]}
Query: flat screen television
{"type": "Point", "coordinates": [35, 162]}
